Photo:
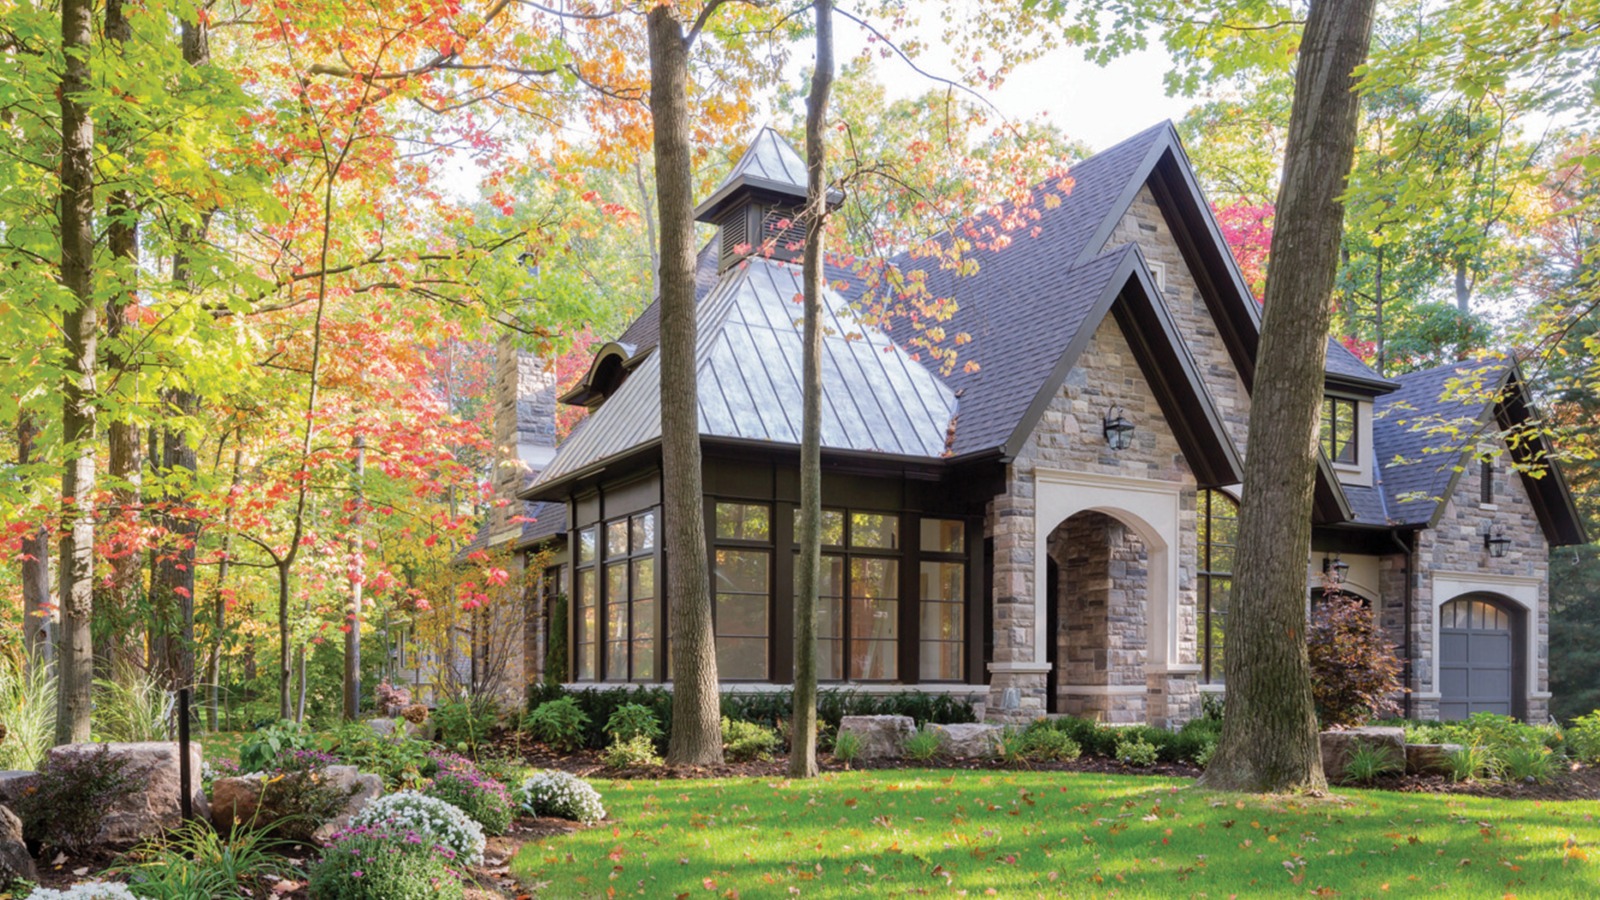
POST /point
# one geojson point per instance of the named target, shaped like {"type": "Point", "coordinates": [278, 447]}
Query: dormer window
{"type": "Point", "coordinates": [1339, 430]}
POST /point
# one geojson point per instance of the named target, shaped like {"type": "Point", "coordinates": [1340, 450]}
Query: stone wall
{"type": "Point", "coordinates": [1069, 437]}
{"type": "Point", "coordinates": [1144, 224]}
{"type": "Point", "coordinates": [1455, 546]}
{"type": "Point", "coordinates": [524, 427]}
{"type": "Point", "coordinates": [1103, 639]}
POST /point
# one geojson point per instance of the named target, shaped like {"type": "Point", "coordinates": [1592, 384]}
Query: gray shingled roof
{"type": "Point", "coordinates": [645, 332]}
{"type": "Point", "coordinates": [1416, 459]}
{"type": "Point", "coordinates": [1342, 363]}
{"type": "Point", "coordinates": [876, 398]}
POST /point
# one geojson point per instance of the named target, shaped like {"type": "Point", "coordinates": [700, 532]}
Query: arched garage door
{"type": "Point", "coordinates": [1478, 658]}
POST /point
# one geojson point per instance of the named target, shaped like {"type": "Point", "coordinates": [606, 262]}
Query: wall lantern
{"type": "Point", "coordinates": [1339, 567]}
{"type": "Point", "coordinates": [1495, 541]}
{"type": "Point", "coordinates": [1117, 429]}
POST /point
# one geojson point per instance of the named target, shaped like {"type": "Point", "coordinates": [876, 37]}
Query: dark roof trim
{"type": "Point", "coordinates": [761, 188]}
{"type": "Point", "coordinates": [1367, 387]}
{"type": "Point", "coordinates": [1167, 366]}
{"type": "Point", "coordinates": [1552, 497]}
{"type": "Point", "coordinates": [1329, 503]}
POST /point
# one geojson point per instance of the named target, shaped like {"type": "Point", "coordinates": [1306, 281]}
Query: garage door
{"type": "Point", "coordinates": [1476, 659]}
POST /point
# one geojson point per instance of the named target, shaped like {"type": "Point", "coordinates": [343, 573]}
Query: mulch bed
{"type": "Point", "coordinates": [1578, 782]}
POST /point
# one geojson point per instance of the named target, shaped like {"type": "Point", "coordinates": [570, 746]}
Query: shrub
{"type": "Point", "coordinates": [431, 817]}
{"type": "Point", "coordinates": [599, 705]}
{"type": "Point", "coordinates": [555, 652]}
{"type": "Point", "coordinates": [846, 747]}
{"type": "Point", "coordinates": [195, 861]}
{"type": "Point", "coordinates": [1470, 762]}
{"type": "Point", "coordinates": [88, 890]}
{"type": "Point", "coordinates": [632, 753]}
{"type": "Point", "coordinates": [558, 723]}
{"type": "Point", "coordinates": [1134, 751]}
{"type": "Point", "coordinates": [391, 700]}
{"type": "Point", "coordinates": [397, 757]}
{"type": "Point", "coordinates": [747, 741]}
{"type": "Point", "coordinates": [771, 707]}
{"type": "Point", "coordinates": [1355, 672]}
{"type": "Point", "coordinates": [1203, 757]}
{"type": "Point", "coordinates": [297, 796]}
{"type": "Point", "coordinates": [1047, 745]}
{"type": "Point", "coordinates": [1093, 738]}
{"type": "Point", "coordinates": [270, 742]}
{"type": "Point", "coordinates": [464, 724]}
{"type": "Point", "coordinates": [1196, 737]}
{"type": "Point", "coordinates": [67, 801]}
{"type": "Point", "coordinates": [484, 800]}
{"type": "Point", "coordinates": [922, 747]}
{"type": "Point", "coordinates": [384, 862]}
{"type": "Point", "coordinates": [1584, 737]}
{"type": "Point", "coordinates": [1527, 762]}
{"type": "Point", "coordinates": [416, 713]}
{"type": "Point", "coordinates": [631, 720]}
{"type": "Point", "coordinates": [1366, 761]}
{"type": "Point", "coordinates": [562, 795]}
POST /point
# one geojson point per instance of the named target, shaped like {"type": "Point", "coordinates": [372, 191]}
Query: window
{"type": "Point", "coordinates": [1339, 429]}
{"type": "Point", "coordinates": [1218, 529]}
{"type": "Point", "coordinates": [587, 597]}
{"type": "Point", "coordinates": [858, 611]}
{"type": "Point", "coordinates": [943, 577]}
{"type": "Point", "coordinates": [630, 611]}
{"type": "Point", "coordinates": [742, 584]}
{"type": "Point", "coordinates": [1486, 480]}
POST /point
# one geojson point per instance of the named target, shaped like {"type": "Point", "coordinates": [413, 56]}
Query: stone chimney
{"type": "Point", "coordinates": [524, 430]}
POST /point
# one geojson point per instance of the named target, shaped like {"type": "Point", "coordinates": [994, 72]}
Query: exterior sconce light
{"type": "Point", "coordinates": [1339, 567]}
{"type": "Point", "coordinates": [1011, 700]}
{"type": "Point", "coordinates": [1117, 429]}
{"type": "Point", "coordinates": [1495, 541]}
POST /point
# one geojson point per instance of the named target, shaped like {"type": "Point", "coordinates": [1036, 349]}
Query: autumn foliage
{"type": "Point", "coordinates": [1355, 670]}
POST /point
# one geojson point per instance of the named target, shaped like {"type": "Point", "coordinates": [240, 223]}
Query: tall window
{"type": "Point", "coordinates": [586, 622]}
{"type": "Point", "coordinates": [630, 573]}
{"type": "Point", "coordinates": [873, 611]}
{"type": "Point", "coordinates": [1339, 429]}
{"type": "Point", "coordinates": [1218, 531]}
{"type": "Point", "coordinates": [943, 576]}
{"type": "Point", "coordinates": [1486, 480]}
{"type": "Point", "coordinates": [742, 580]}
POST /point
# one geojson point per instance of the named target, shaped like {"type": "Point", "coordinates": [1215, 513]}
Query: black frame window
{"type": "Point", "coordinates": [1217, 527]}
{"type": "Point", "coordinates": [859, 594]}
{"type": "Point", "coordinates": [586, 598]}
{"type": "Point", "coordinates": [631, 591]}
{"type": "Point", "coordinates": [943, 609]}
{"type": "Point", "coordinates": [1486, 480]}
{"type": "Point", "coordinates": [742, 590]}
{"type": "Point", "coordinates": [1339, 429]}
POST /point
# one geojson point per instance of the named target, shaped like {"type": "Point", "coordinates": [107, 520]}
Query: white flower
{"type": "Point", "coordinates": [563, 795]}
{"type": "Point", "coordinates": [89, 890]}
{"type": "Point", "coordinates": [445, 822]}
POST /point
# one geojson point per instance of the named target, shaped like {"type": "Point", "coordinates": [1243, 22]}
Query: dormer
{"type": "Point", "coordinates": [757, 207]}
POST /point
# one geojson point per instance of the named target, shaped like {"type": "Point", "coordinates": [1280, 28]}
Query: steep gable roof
{"type": "Point", "coordinates": [747, 351]}
{"type": "Point", "coordinates": [1425, 432]}
{"type": "Point", "coordinates": [769, 166]}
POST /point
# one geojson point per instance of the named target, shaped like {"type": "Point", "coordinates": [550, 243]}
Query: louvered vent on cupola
{"type": "Point", "coordinates": [757, 208]}
{"type": "Point", "coordinates": [771, 231]}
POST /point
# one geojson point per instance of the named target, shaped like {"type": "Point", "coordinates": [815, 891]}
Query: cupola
{"type": "Point", "coordinates": [757, 207]}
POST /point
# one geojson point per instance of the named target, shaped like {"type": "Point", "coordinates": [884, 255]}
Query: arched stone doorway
{"type": "Point", "coordinates": [1099, 614]}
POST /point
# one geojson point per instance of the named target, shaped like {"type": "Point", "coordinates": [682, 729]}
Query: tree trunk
{"type": "Point", "coordinates": [803, 733]}
{"type": "Point", "coordinates": [219, 604]}
{"type": "Point", "coordinates": [352, 618]}
{"type": "Point", "coordinates": [648, 204]}
{"type": "Point", "coordinates": [80, 326]}
{"type": "Point", "coordinates": [38, 622]}
{"type": "Point", "coordinates": [1463, 286]}
{"type": "Point", "coordinates": [1269, 736]}
{"type": "Point", "coordinates": [118, 643]}
{"type": "Point", "coordinates": [696, 709]}
{"type": "Point", "coordinates": [285, 669]}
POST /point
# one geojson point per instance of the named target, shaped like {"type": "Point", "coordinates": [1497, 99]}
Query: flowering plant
{"type": "Point", "coordinates": [431, 817]}
{"type": "Point", "coordinates": [391, 700]}
{"type": "Point", "coordinates": [461, 783]}
{"type": "Point", "coordinates": [385, 862]}
{"type": "Point", "coordinates": [563, 795]}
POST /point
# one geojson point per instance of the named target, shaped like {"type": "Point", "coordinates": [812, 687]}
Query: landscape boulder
{"type": "Point", "coordinates": [237, 801]}
{"type": "Point", "coordinates": [1429, 759]}
{"type": "Point", "coordinates": [15, 860]}
{"type": "Point", "coordinates": [154, 807]}
{"type": "Point", "coordinates": [1337, 746]}
{"type": "Point", "coordinates": [882, 737]}
{"type": "Point", "coordinates": [12, 783]}
{"type": "Point", "coordinates": [388, 727]}
{"type": "Point", "coordinates": [968, 740]}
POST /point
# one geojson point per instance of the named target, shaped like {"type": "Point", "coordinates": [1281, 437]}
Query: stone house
{"type": "Point", "coordinates": [1050, 529]}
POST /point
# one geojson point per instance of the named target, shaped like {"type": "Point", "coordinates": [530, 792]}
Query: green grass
{"type": "Point", "coordinates": [1026, 834]}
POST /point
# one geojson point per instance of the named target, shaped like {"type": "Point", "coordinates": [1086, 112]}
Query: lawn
{"type": "Point", "coordinates": [1026, 834]}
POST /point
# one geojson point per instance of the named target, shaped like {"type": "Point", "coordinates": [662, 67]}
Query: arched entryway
{"type": "Point", "coordinates": [1481, 666]}
{"type": "Point", "coordinates": [1098, 574]}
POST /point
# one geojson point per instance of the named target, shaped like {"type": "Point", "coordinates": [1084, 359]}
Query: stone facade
{"type": "Point", "coordinates": [525, 393]}
{"type": "Point", "coordinates": [1069, 438]}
